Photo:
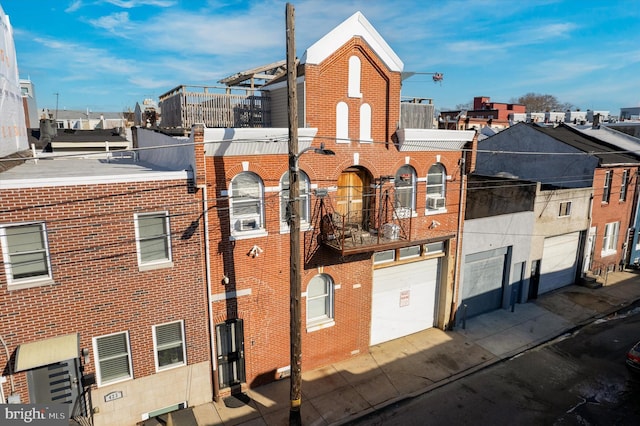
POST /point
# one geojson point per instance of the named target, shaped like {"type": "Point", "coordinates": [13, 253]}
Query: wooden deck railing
{"type": "Point", "coordinates": [188, 105]}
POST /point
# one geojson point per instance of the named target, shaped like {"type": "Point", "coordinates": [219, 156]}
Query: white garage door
{"type": "Point", "coordinates": [404, 299]}
{"type": "Point", "coordinates": [559, 262]}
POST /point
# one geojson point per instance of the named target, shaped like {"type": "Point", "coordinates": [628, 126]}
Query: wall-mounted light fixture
{"type": "Point", "coordinates": [225, 279]}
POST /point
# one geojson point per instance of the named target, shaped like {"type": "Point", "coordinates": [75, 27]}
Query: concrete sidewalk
{"type": "Point", "coordinates": [418, 363]}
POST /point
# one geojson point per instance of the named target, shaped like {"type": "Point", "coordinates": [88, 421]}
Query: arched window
{"type": "Point", "coordinates": [354, 77]}
{"type": "Point", "coordinates": [365, 123]}
{"type": "Point", "coordinates": [342, 122]}
{"type": "Point", "coordinates": [247, 203]}
{"type": "Point", "coordinates": [305, 208]}
{"type": "Point", "coordinates": [320, 300]}
{"type": "Point", "coordinates": [436, 188]}
{"type": "Point", "coordinates": [405, 183]}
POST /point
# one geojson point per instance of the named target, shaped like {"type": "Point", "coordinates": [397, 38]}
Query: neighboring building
{"type": "Point", "coordinates": [497, 115]}
{"type": "Point", "coordinates": [379, 219]}
{"type": "Point", "coordinates": [13, 131]}
{"type": "Point", "coordinates": [85, 120]}
{"type": "Point", "coordinates": [102, 282]}
{"type": "Point", "coordinates": [630, 113]}
{"type": "Point", "coordinates": [565, 158]}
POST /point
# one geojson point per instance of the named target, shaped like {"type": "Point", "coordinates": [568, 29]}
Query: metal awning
{"type": "Point", "coordinates": [47, 351]}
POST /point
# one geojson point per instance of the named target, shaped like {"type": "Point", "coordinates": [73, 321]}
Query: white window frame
{"type": "Point", "coordinates": [606, 189]}
{"type": "Point", "coordinates": [440, 187]}
{"type": "Point", "coordinates": [256, 200]}
{"type": "Point", "coordinates": [565, 209]}
{"type": "Point", "coordinates": [97, 360]}
{"type": "Point", "coordinates": [166, 237]}
{"type": "Point", "coordinates": [156, 347]}
{"type": "Point", "coordinates": [327, 318]}
{"type": "Point", "coordinates": [624, 185]}
{"type": "Point", "coordinates": [410, 188]}
{"type": "Point", "coordinates": [27, 281]}
{"type": "Point", "coordinates": [304, 195]}
{"type": "Point", "coordinates": [610, 239]}
{"type": "Point", "coordinates": [342, 123]}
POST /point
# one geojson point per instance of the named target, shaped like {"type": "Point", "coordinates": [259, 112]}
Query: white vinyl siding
{"type": "Point", "coordinates": [113, 358]}
{"type": "Point", "coordinates": [26, 253]}
{"type": "Point", "coordinates": [153, 238]}
{"type": "Point", "coordinates": [169, 344]}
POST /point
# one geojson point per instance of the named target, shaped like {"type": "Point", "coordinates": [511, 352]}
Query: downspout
{"type": "Point", "coordinates": [207, 256]}
{"type": "Point", "coordinates": [456, 272]}
{"type": "Point", "coordinates": [13, 385]}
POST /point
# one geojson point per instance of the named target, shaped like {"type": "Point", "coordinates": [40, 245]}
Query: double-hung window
{"type": "Point", "coordinates": [247, 208]}
{"type": "Point", "coordinates": [610, 242]}
{"type": "Point", "coordinates": [624, 185]}
{"type": "Point", "coordinates": [606, 190]}
{"type": "Point", "coordinates": [26, 253]}
{"type": "Point", "coordinates": [436, 188]}
{"type": "Point", "coordinates": [168, 341]}
{"type": "Point", "coordinates": [153, 239]}
{"type": "Point", "coordinates": [113, 358]}
{"type": "Point", "coordinates": [303, 195]}
{"type": "Point", "coordinates": [320, 300]}
{"type": "Point", "coordinates": [405, 186]}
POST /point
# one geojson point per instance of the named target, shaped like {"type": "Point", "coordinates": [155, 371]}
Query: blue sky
{"type": "Point", "coordinates": [106, 55]}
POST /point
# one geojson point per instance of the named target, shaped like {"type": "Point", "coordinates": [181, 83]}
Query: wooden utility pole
{"type": "Point", "coordinates": [295, 284]}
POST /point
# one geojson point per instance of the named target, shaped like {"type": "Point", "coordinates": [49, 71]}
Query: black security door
{"type": "Point", "coordinates": [230, 353]}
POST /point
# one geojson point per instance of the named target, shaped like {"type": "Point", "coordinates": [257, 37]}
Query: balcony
{"type": "Point", "coordinates": [380, 226]}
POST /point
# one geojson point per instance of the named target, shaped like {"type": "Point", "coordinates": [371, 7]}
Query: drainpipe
{"type": "Point", "coordinates": [13, 385]}
{"type": "Point", "coordinates": [456, 272]}
{"type": "Point", "coordinates": [207, 255]}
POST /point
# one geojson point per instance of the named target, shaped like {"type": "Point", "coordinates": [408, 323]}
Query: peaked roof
{"type": "Point", "coordinates": [355, 26]}
{"type": "Point", "coordinates": [607, 154]}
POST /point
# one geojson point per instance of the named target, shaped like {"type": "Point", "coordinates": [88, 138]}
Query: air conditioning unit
{"type": "Point", "coordinates": [247, 224]}
{"type": "Point", "coordinates": [435, 202]}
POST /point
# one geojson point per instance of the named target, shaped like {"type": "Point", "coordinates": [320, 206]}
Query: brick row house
{"type": "Point", "coordinates": [102, 291]}
{"type": "Point", "coordinates": [379, 218]}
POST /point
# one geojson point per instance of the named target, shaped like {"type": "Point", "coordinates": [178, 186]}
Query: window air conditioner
{"type": "Point", "coordinates": [247, 224]}
{"type": "Point", "coordinates": [435, 202]}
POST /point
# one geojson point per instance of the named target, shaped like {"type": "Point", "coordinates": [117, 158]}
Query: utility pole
{"type": "Point", "coordinates": [295, 343]}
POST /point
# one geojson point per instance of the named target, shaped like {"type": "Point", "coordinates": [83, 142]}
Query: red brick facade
{"type": "Point", "coordinates": [261, 283]}
{"type": "Point", "coordinates": [97, 286]}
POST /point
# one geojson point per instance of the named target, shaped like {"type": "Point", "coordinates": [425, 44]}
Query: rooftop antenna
{"type": "Point", "coordinates": [56, 116]}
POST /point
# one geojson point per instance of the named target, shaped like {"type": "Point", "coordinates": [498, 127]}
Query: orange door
{"type": "Point", "coordinates": [351, 199]}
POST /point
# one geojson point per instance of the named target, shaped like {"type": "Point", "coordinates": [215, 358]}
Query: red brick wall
{"type": "Point", "coordinates": [266, 310]}
{"type": "Point", "coordinates": [613, 211]}
{"type": "Point", "coordinates": [98, 288]}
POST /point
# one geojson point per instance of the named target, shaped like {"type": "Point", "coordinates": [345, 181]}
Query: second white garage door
{"type": "Point", "coordinates": [559, 261]}
{"type": "Point", "coordinates": [404, 299]}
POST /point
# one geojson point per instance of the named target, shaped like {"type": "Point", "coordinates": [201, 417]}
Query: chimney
{"type": "Point", "coordinates": [596, 121]}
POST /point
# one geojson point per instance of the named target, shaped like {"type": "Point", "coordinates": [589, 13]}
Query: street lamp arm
{"type": "Point", "coordinates": [322, 151]}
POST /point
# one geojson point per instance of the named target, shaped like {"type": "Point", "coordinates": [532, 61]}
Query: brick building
{"type": "Point", "coordinates": [498, 115]}
{"type": "Point", "coordinates": [102, 291]}
{"type": "Point", "coordinates": [379, 218]}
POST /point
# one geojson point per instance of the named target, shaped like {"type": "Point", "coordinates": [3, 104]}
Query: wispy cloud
{"type": "Point", "coordinates": [116, 23]}
{"type": "Point", "coordinates": [73, 6]}
{"type": "Point", "coordinates": [130, 4]}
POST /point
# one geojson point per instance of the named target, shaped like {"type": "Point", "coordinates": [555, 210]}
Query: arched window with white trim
{"type": "Point", "coordinates": [303, 188]}
{"type": "Point", "coordinates": [436, 187]}
{"type": "Point", "coordinates": [247, 203]}
{"type": "Point", "coordinates": [405, 185]}
{"type": "Point", "coordinates": [365, 123]}
{"type": "Point", "coordinates": [342, 122]}
{"type": "Point", "coordinates": [354, 77]}
{"type": "Point", "coordinates": [320, 300]}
